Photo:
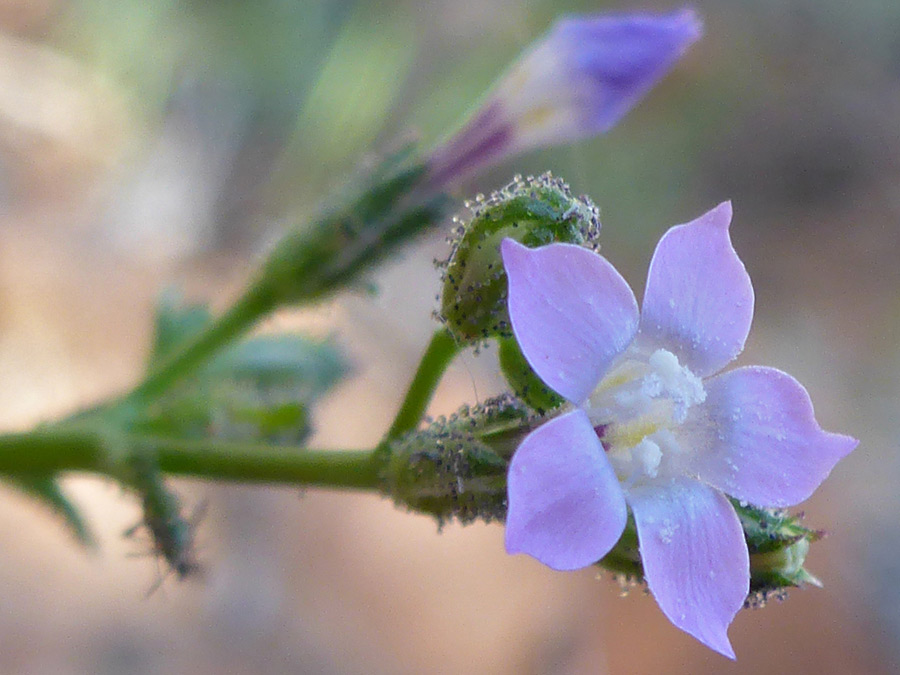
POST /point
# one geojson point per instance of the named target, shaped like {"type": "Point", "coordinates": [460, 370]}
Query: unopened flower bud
{"type": "Point", "coordinates": [456, 467]}
{"type": "Point", "coordinates": [778, 546]}
{"type": "Point", "coordinates": [576, 81]}
{"type": "Point", "coordinates": [534, 212]}
{"type": "Point", "coordinates": [783, 566]}
{"type": "Point", "coordinates": [776, 541]}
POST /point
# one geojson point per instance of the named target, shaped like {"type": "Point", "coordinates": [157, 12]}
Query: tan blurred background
{"type": "Point", "coordinates": [145, 143]}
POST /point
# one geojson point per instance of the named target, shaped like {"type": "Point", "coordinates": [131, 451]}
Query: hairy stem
{"type": "Point", "coordinates": [79, 444]}
{"type": "Point", "coordinates": [258, 463]}
{"type": "Point", "coordinates": [52, 451]}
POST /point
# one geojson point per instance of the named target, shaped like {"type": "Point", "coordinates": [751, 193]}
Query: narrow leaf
{"type": "Point", "coordinates": [46, 489]}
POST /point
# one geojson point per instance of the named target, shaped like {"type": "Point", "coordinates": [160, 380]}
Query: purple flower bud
{"type": "Point", "coordinates": [576, 81]}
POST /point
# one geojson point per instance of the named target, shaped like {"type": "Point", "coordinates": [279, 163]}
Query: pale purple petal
{"type": "Point", "coordinates": [757, 439]}
{"type": "Point", "coordinates": [565, 505]}
{"type": "Point", "coordinates": [610, 61]}
{"type": "Point", "coordinates": [576, 81]}
{"type": "Point", "coordinates": [571, 311]}
{"type": "Point", "coordinates": [699, 301]}
{"type": "Point", "coordinates": [695, 557]}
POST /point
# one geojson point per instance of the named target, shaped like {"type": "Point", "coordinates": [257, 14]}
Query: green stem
{"type": "Point", "coordinates": [52, 451]}
{"type": "Point", "coordinates": [239, 318]}
{"type": "Point", "coordinates": [258, 463]}
{"type": "Point", "coordinates": [440, 352]}
{"type": "Point", "coordinates": [47, 451]}
{"type": "Point", "coordinates": [81, 448]}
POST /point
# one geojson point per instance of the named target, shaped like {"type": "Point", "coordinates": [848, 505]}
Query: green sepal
{"type": "Point", "coordinates": [456, 467]}
{"type": "Point", "coordinates": [523, 380]}
{"type": "Point", "coordinates": [46, 489]}
{"type": "Point", "coordinates": [776, 542]}
{"type": "Point", "coordinates": [769, 530]}
{"type": "Point", "coordinates": [778, 546]}
{"type": "Point", "coordinates": [534, 212]}
{"type": "Point", "coordinates": [624, 559]}
{"type": "Point", "coordinates": [386, 209]}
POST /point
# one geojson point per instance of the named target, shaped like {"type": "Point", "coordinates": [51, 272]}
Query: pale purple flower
{"type": "Point", "coordinates": [576, 81]}
{"type": "Point", "coordinates": [652, 427]}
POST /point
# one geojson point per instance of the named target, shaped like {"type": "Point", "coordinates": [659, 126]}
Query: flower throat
{"type": "Point", "coordinates": [635, 410]}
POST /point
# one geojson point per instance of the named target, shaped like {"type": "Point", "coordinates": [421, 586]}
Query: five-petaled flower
{"type": "Point", "coordinates": [652, 427]}
{"type": "Point", "coordinates": [575, 82]}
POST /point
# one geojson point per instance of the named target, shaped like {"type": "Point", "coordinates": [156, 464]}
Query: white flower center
{"type": "Point", "coordinates": [635, 410]}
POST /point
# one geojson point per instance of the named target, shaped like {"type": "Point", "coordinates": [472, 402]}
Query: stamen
{"type": "Point", "coordinates": [629, 434]}
{"type": "Point", "coordinates": [637, 409]}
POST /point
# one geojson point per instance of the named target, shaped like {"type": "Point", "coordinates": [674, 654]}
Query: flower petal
{"type": "Point", "coordinates": [699, 300]}
{"type": "Point", "coordinates": [760, 438]}
{"type": "Point", "coordinates": [695, 557]}
{"type": "Point", "coordinates": [608, 62]}
{"type": "Point", "coordinates": [576, 81]}
{"type": "Point", "coordinates": [565, 505]}
{"type": "Point", "coordinates": [571, 311]}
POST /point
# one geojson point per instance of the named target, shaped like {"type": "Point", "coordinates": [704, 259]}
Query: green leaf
{"type": "Point", "coordinates": [307, 366]}
{"type": "Point", "coordinates": [260, 389]}
{"type": "Point", "coordinates": [45, 489]}
{"type": "Point", "coordinates": [176, 324]}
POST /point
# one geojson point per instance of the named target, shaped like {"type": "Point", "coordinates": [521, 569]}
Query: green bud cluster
{"type": "Point", "coordinates": [778, 546]}
{"type": "Point", "coordinates": [456, 467]}
{"type": "Point", "coordinates": [776, 541]}
{"type": "Point", "coordinates": [534, 212]}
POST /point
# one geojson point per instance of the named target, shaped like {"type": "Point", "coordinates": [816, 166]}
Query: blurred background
{"type": "Point", "coordinates": [150, 142]}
